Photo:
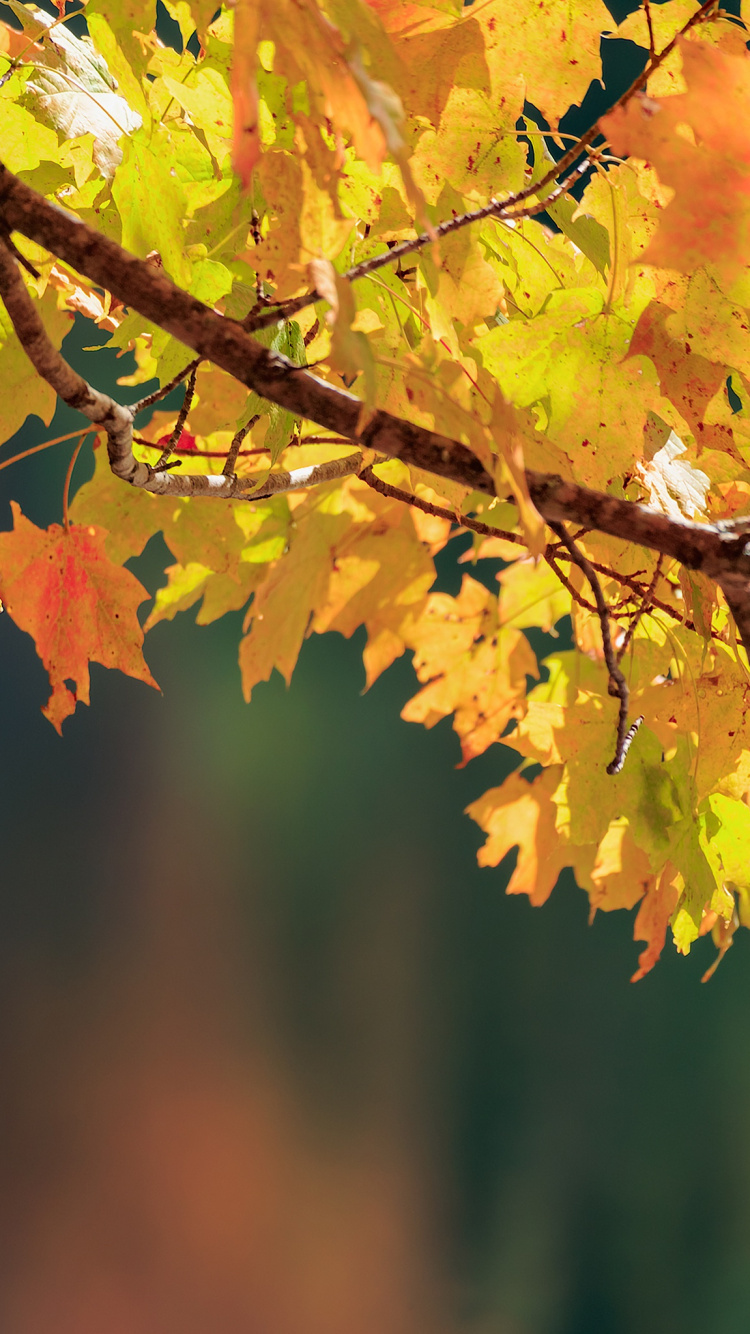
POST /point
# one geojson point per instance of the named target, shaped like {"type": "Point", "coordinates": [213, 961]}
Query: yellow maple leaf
{"type": "Point", "coordinates": [522, 815]}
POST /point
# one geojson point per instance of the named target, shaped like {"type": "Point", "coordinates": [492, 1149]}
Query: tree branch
{"type": "Point", "coordinates": [720, 552]}
{"type": "Point", "coordinates": [439, 511]}
{"type": "Point", "coordinates": [100, 409]}
{"type": "Point", "coordinates": [649, 21]}
{"type": "Point", "coordinates": [165, 389]}
{"type": "Point", "coordinates": [117, 421]}
{"type": "Point", "coordinates": [182, 416]}
{"type": "Point", "coordinates": [497, 208]}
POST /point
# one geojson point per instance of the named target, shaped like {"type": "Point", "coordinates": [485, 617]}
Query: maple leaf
{"type": "Point", "coordinates": [186, 443]}
{"type": "Point", "coordinates": [148, 172]}
{"type": "Point", "coordinates": [74, 88]}
{"type": "Point", "coordinates": [522, 815]}
{"type": "Point", "coordinates": [689, 380]}
{"type": "Point", "coordinates": [381, 576]}
{"type": "Point", "coordinates": [23, 392]}
{"type": "Point", "coordinates": [621, 873]}
{"type": "Point", "coordinates": [471, 669]}
{"type": "Point", "coordinates": [129, 516]}
{"type": "Point", "coordinates": [709, 169]}
{"type": "Point", "coordinates": [63, 590]}
{"type": "Point", "coordinates": [279, 617]}
{"type": "Point", "coordinates": [674, 485]}
{"type": "Point", "coordinates": [653, 918]}
{"type": "Point", "coordinates": [598, 354]}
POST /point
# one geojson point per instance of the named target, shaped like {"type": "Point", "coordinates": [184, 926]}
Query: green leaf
{"type": "Point", "coordinates": [25, 142]}
{"type": "Point", "coordinates": [148, 173]}
{"type": "Point", "coordinates": [72, 89]}
{"type": "Point", "coordinates": [288, 341]}
{"type": "Point", "coordinates": [24, 392]}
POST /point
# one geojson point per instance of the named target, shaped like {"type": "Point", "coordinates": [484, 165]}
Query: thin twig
{"type": "Point", "coordinates": [36, 449]}
{"type": "Point", "coordinates": [68, 478]}
{"type": "Point", "coordinates": [552, 554]}
{"type": "Point", "coordinates": [44, 30]}
{"type": "Point", "coordinates": [474, 525]}
{"type": "Point", "coordinates": [642, 609]}
{"type": "Point", "coordinates": [496, 208]}
{"type": "Point", "coordinates": [13, 248]}
{"type": "Point", "coordinates": [618, 686]}
{"type": "Point", "coordinates": [234, 448]}
{"type": "Point", "coordinates": [438, 511]}
{"type": "Point", "coordinates": [627, 581]}
{"type": "Point", "coordinates": [165, 389]}
{"type": "Point", "coordinates": [549, 556]}
{"type": "Point", "coordinates": [182, 415]}
{"type": "Point", "coordinates": [506, 209]}
{"type": "Point", "coordinates": [203, 453]}
{"type": "Point", "coordinates": [651, 45]}
{"type": "Point", "coordinates": [323, 440]}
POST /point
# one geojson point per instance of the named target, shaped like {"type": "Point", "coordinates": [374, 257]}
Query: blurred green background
{"type": "Point", "coordinates": [289, 890]}
{"type": "Point", "coordinates": [276, 1054]}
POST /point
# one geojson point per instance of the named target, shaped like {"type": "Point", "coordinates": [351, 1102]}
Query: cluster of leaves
{"type": "Point", "coordinates": [605, 340]}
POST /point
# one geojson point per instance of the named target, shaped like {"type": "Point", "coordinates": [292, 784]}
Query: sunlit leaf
{"type": "Point", "coordinates": [74, 89]}
{"type": "Point", "coordinates": [707, 166]}
{"type": "Point", "coordinates": [78, 606]}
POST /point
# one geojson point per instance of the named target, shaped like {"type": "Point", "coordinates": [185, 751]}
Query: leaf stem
{"type": "Point", "coordinates": [35, 449]}
{"type": "Point", "coordinates": [68, 476]}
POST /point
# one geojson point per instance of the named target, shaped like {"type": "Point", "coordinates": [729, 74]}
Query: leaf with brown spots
{"type": "Point", "coordinates": [63, 590]}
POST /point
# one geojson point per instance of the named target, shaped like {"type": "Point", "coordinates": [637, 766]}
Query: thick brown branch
{"type": "Point", "coordinates": [225, 343]}
{"type": "Point", "coordinates": [116, 420]}
{"type": "Point", "coordinates": [721, 554]}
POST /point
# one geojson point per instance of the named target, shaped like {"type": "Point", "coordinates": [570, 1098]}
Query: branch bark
{"type": "Point", "coordinates": [722, 552]}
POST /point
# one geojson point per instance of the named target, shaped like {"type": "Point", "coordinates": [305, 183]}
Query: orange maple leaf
{"type": "Point", "coordinates": [689, 380]}
{"type": "Point", "coordinates": [523, 815]}
{"type": "Point", "coordinates": [709, 169]}
{"type": "Point", "coordinates": [467, 667]}
{"type": "Point", "coordinates": [653, 919]}
{"type": "Point", "coordinates": [246, 133]}
{"type": "Point", "coordinates": [77, 605]}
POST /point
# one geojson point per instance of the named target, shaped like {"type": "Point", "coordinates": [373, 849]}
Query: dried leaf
{"type": "Point", "coordinates": [674, 486]}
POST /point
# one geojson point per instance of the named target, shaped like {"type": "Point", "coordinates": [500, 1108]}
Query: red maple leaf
{"type": "Point", "coordinates": [186, 441]}
{"type": "Point", "coordinates": [78, 606]}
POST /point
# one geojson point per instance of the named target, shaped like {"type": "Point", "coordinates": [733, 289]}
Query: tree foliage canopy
{"type": "Point", "coordinates": [406, 306]}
